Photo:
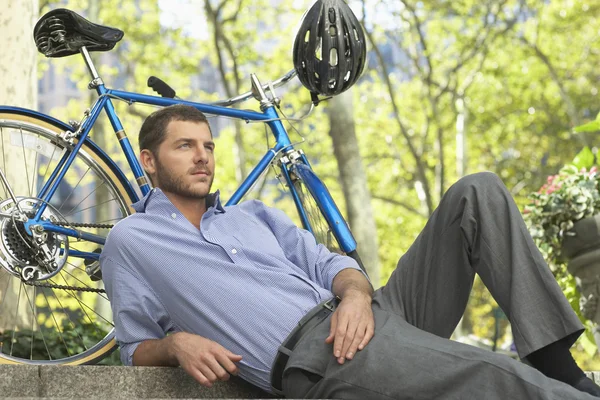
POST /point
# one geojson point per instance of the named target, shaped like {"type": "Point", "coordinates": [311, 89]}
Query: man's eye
{"type": "Point", "coordinates": [184, 145]}
{"type": "Point", "coordinates": [210, 148]}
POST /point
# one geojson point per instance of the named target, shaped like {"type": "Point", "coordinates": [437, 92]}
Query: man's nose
{"type": "Point", "coordinates": [201, 155]}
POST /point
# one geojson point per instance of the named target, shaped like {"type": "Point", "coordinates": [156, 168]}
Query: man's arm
{"type": "Point", "coordinates": [205, 360]}
{"type": "Point", "coordinates": [141, 322]}
{"type": "Point", "coordinates": [352, 323]}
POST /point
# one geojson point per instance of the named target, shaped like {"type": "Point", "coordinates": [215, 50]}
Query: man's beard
{"type": "Point", "coordinates": [171, 183]}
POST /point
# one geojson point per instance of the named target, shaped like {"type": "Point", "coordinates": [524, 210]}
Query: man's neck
{"type": "Point", "coordinates": [192, 209]}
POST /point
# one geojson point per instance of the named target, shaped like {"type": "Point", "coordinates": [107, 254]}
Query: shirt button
{"type": "Point", "coordinates": [173, 215]}
{"type": "Point", "coordinates": [234, 251]}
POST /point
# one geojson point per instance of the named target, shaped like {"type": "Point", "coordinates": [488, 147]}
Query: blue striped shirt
{"type": "Point", "coordinates": [243, 280]}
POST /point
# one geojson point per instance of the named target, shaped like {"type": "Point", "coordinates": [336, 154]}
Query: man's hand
{"type": "Point", "coordinates": [205, 360]}
{"type": "Point", "coordinates": [352, 325]}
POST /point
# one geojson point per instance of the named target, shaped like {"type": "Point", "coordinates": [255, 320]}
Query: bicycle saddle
{"type": "Point", "coordinates": [62, 32]}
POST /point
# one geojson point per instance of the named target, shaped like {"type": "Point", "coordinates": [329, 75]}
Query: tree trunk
{"type": "Point", "coordinates": [354, 182]}
{"type": "Point", "coordinates": [18, 87]}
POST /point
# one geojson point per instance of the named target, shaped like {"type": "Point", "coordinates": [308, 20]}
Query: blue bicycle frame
{"type": "Point", "coordinates": [300, 168]}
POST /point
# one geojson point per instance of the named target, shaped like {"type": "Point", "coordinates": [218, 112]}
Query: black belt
{"type": "Point", "coordinates": [309, 321]}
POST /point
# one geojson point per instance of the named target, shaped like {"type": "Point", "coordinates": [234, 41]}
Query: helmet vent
{"type": "Point", "coordinates": [333, 57]}
{"type": "Point", "coordinates": [319, 50]}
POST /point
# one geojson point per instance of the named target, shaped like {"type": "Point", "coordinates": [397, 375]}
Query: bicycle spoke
{"type": "Point", "coordinates": [56, 324]}
{"type": "Point", "coordinates": [8, 278]}
{"type": "Point", "coordinates": [85, 198]}
{"type": "Point", "coordinates": [73, 265]}
{"type": "Point", "coordinates": [89, 208]}
{"type": "Point", "coordinates": [34, 175]}
{"type": "Point", "coordinates": [33, 322]}
{"type": "Point", "coordinates": [48, 166]}
{"type": "Point", "coordinates": [69, 317]}
{"type": "Point", "coordinates": [12, 341]}
{"type": "Point", "coordinates": [84, 284]}
{"type": "Point", "coordinates": [41, 331]}
{"type": "Point", "coordinates": [3, 156]}
{"type": "Point", "coordinates": [91, 309]}
{"type": "Point", "coordinates": [82, 309]}
{"type": "Point", "coordinates": [25, 159]}
{"type": "Point", "coordinates": [73, 190]}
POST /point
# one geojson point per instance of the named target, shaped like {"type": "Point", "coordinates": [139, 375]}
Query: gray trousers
{"type": "Point", "coordinates": [477, 228]}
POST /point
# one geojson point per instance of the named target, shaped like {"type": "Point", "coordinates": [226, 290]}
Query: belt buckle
{"type": "Point", "coordinates": [329, 304]}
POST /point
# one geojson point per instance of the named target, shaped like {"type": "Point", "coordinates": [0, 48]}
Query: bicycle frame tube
{"type": "Point", "coordinates": [90, 237]}
{"type": "Point", "coordinates": [283, 143]}
{"type": "Point", "coordinates": [329, 209]}
{"type": "Point", "coordinates": [281, 137]}
{"type": "Point", "coordinates": [296, 198]}
{"type": "Point", "coordinates": [270, 116]}
{"type": "Point", "coordinates": [87, 126]}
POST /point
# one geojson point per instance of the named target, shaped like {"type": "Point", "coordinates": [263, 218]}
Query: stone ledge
{"type": "Point", "coordinates": [66, 382]}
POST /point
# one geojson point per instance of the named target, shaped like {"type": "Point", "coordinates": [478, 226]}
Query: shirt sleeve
{"type": "Point", "coordinates": [137, 312]}
{"type": "Point", "coordinates": [301, 248]}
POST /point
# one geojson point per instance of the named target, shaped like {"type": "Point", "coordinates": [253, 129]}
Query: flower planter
{"type": "Point", "coordinates": [582, 250]}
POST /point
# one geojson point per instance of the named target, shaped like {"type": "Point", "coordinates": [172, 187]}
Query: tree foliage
{"type": "Point", "coordinates": [517, 74]}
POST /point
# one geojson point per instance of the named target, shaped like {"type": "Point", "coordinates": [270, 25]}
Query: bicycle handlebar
{"type": "Point", "coordinates": [245, 96]}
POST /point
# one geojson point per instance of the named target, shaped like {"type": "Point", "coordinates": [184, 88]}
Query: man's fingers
{"type": "Point", "coordinates": [368, 336]}
{"type": "Point", "coordinates": [199, 376]}
{"type": "Point", "coordinates": [351, 333]}
{"type": "Point", "coordinates": [227, 362]}
{"type": "Point", "coordinates": [356, 341]}
{"type": "Point", "coordinates": [207, 371]}
{"type": "Point", "coordinates": [332, 328]}
{"type": "Point", "coordinates": [340, 335]}
{"type": "Point", "coordinates": [217, 369]}
{"type": "Point", "coordinates": [232, 356]}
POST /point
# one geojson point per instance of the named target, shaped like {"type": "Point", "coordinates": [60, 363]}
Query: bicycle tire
{"type": "Point", "coordinates": [38, 135]}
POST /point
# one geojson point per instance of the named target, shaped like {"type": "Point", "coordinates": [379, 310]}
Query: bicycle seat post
{"type": "Point", "coordinates": [96, 80]}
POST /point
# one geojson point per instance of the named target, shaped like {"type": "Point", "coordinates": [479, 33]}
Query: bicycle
{"type": "Point", "coordinates": [54, 221]}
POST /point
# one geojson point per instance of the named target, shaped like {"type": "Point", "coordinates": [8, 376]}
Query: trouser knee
{"type": "Point", "coordinates": [479, 182]}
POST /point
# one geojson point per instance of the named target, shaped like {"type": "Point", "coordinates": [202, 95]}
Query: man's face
{"type": "Point", "coordinates": [185, 163]}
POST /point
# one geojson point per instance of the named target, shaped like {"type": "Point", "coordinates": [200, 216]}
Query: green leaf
{"type": "Point", "coordinates": [588, 343]}
{"type": "Point", "coordinates": [589, 127]}
{"type": "Point", "coordinates": [585, 158]}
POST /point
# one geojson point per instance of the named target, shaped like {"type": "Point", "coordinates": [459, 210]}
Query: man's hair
{"type": "Point", "coordinates": [154, 128]}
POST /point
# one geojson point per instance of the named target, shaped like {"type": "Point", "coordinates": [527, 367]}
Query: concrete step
{"type": "Point", "coordinates": [109, 382]}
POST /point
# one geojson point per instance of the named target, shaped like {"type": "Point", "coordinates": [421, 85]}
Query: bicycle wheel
{"type": "Point", "coordinates": [63, 319]}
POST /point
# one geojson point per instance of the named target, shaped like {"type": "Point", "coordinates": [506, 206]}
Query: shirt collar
{"type": "Point", "coordinates": [155, 199]}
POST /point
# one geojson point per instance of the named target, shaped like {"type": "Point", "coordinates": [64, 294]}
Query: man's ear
{"type": "Point", "coordinates": [148, 161]}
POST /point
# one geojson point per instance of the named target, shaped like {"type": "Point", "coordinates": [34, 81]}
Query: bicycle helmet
{"type": "Point", "coordinates": [329, 48]}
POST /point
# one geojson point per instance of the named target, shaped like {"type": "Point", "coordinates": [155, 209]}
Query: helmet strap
{"type": "Point", "coordinates": [315, 98]}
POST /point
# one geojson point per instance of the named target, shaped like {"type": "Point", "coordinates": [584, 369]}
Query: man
{"type": "Point", "coordinates": [217, 290]}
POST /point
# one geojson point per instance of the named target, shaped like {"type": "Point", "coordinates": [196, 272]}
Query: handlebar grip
{"type": "Point", "coordinates": [160, 87]}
